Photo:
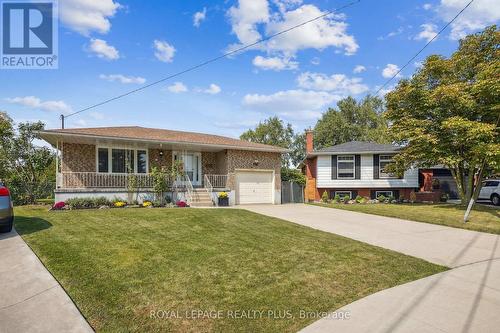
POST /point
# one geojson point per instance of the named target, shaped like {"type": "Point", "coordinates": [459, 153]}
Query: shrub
{"type": "Point", "coordinates": [58, 205]}
{"type": "Point", "coordinates": [324, 197]}
{"type": "Point", "coordinates": [158, 203]}
{"type": "Point", "coordinates": [336, 198]}
{"type": "Point", "coordinates": [101, 201]}
{"type": "Point", "coordinates": [147, 204]}
{"type": "Point", "coordinates": [360, 199]}
{"type": "Point", "coordinates": [381, 198]}
{"type": "Point", "coordinates": [120, 204]}
{"type": "Point", "coordinates": [413, 196]}
{"type": "Point", "coordinates": [80, 203]}
{"type": "Point", "coordinates": [444, 197]}
{"type": "Point", "coordinates": [181, 203]}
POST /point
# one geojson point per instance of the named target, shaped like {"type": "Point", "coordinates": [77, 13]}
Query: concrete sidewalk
{"type": "Point", "coordinates": [31, 300]}
{"type": "Point", "coordinates": [463, 299]}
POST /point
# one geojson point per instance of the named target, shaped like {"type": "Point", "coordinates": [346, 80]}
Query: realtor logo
{"type": "Point", "coordinates": [29, 35]}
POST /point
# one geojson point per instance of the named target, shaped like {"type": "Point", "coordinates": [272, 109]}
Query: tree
{"type": "Point", "coordinates": [298, 148]}
{"type": "Point", "coordinates": [27, 169]}
{"type": "Point", "coordinates": [272, 131]}
{"type": "Point", "coordinates": [353, 121]}
{"type": "Point", "coordinates": [448, 113]}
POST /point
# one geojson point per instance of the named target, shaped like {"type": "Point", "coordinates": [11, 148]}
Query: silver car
{"type": "Point", "coordinates": [6, 210]}
{"type": "Point", "coordinates": [491, 191]}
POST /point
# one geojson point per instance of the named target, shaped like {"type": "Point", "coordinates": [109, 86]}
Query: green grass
{"type": "Point", "coordinates": [118, 265]}
{"type": "Point", "coordinates": [482, 218]}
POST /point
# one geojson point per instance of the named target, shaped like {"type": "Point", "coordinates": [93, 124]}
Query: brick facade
{"type": "Point", "coordinates": [78, 157]}
{"type": "Point", "coordinates": [156, 160]}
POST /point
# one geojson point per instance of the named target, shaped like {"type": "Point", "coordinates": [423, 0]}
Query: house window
{"type": "Point", "coordinates": [344, 194]}
{"type": "Point", "coordinates": [103, 160]}
{"type": "Point", "coordinates": [345, 167]}
{"type": "Point", "coordinates": [142, 158]}
{"type": "Point", "coordinates": [117, 160]}
{"type": "Point", "coordinates": [384, 161]}
{"type": "Point", "coordinates": [384, 193]}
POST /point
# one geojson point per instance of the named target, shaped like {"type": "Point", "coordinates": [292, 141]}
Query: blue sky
{"type": "Point", "coordinates": [108, 47]}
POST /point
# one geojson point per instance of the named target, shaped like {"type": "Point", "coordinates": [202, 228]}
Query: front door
{"type": "Point", "coordinates": [191, 163]}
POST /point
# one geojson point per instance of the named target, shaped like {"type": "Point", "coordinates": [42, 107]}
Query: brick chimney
{"type": "Point", "coordinates": [309, 141]}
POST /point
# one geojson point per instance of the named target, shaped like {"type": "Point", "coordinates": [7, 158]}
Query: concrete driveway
{"type": "Point", "coordinates": [464, 299]}
{"type": "Point", "coordinates": [31, 300]}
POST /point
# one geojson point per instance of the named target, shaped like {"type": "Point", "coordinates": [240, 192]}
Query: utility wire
{"type": "Point", "coordinates": [225, 55]}
{"type": "Point", "coordinates": [420, 51]}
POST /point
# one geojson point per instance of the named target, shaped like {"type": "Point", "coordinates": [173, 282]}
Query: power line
{"type": "Point", "coordinates": [225, 55]}
{"type": "Point", "coordinates": [420, 51]}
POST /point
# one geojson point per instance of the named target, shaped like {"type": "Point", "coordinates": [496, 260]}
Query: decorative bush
{"type": "Point", "coordinates": [324, 197]}
{"type": "Point", "coordinates": [181, 204]}
{"type": "Point", "coordinates": [101, 201]}
{"type": "Point", "coordinates": [147, 204]}
{"type": "Point", "coordinates": [360, 199]}
{"type": "Point", "coordinates": [158, 203]}
{"type": "Point", "coordinates": [222, 195]}
{"type": "Point", "coordinates": [336, 198]}
{"type": "Point", "coordinates": [58, 205]}
{"type": "Point", "coordinates": [381, 198]}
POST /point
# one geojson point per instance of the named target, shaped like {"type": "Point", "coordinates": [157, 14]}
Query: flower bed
{"type": "Point", "coordinates": [102, 203]}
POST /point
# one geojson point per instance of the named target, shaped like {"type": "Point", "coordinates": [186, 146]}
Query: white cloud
{"type": "Point", "coordinates": [199, 17]}
{"type": "Point", "coordinates": [418, 64]}
{"type": "Point", "coordinates": [359, 69]}
{"type": "Point", "coordinates": [213, 89]}
{"type": "Point", "coordinates": [427, 6]}
{"type": "Point", "coordinates": [428, 32]}
{"type": "Point", "coordinates": [292, 104]}
{"type": "Point", "coordinates": [96, 115]}
{"type": "Point", "coordinates": [274, 63]}
{"type": "Point", "coordinates": [122, 78]}
{"type": "Point", "coordinates": [245, 17]}
{"type": "Point", "coordinates": [85, 16]}
{"type": "Point", "coordinates": [103, 50]}
{"type": "Point", "coordinates": [320, 34]}
{"type": "Point", "coordinates": [391, 34]}
{"type": "Point", "coordinates": [177, 87]}
{"type": "Point", "coordinates": [315, 61]}
{"type": "Point", "coordinates": [390, 70]}
{"type": "Point", "coordinates": [337, 83]}
{"type": "Point", "coordinates": [164, 51]}
{"type": "Point", "coordinates": [36, 103]}
{"type": "Point", "coordinates": [252, 20]}
{"type": "Point", "coordinates": [476, 17]}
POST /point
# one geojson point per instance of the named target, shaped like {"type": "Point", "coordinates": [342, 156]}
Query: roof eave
{"type": "Point", "coordinates": [46, 135]}
{"type": "Point", "coordinates": [320, 153]}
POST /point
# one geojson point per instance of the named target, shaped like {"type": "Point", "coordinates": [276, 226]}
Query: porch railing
{"type": "Point", "coordinates": [102, 180]}
{"type": "Point", "coordinates": [217, 181]}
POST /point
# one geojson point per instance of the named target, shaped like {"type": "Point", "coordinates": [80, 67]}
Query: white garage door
{"type": "Point", "coordinates": [254, 187]}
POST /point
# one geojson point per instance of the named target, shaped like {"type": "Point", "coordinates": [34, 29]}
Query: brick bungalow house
{"type": "Point", "coordinates": [97, 161]}
{"type": "Point", "coordinates": [358, 168]}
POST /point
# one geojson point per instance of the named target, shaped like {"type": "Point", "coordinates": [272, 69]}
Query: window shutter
{"type": "Point", "coordinates": [373, 194]}
{"type": "Point", "coordinates": [376, 166]}
{"type": "Point", "coordinates": [357, 166]}
{"type": "Point", "coordinates": [395, 193]}
{"type": "Point", "coordinates": [334, 166]}
{"type": "Point", "coordinates": [354, 194]}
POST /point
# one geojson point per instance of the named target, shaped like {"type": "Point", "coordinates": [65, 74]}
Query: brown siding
{"type": "Point", "coordinates": [155, 160]}
{"type": "Point", "coordinates": [78, 157]}
{"type": "Point", "coordinates": [243, 159]}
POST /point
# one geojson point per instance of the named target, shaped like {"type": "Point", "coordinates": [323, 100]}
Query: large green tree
{"type": "Point", "coordinates": [28, 169]}
{"type": "Point", "coordinates": [352, 120]}
{"type": "Point", "coordinates": [448, 112]}
{"type": "Point", "coordinates": [272, 131]}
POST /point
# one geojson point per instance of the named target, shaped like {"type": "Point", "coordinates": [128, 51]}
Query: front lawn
{"type": "Point", "coordinates": [482, 218]}
{"type": "Point", "coordinates": [122, 265]}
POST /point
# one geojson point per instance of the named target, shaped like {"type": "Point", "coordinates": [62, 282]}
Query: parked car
{"type": "Point", "coordinates": [491, 191]}
{"type": "Point", "coordinates": [6, 210]}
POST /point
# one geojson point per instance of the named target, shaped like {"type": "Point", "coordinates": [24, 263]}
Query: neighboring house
{"type": "Point", "coordinates": [96, 161]}
{"type": "Point", "coordinates": [355, 168]}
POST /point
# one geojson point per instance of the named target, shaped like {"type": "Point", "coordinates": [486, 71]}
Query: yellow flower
{"type": "Point", "coordinates": [222, 195]}
{"type": "Point", "coordinates": [146, 203]}
{"type": "Point", "coordinates": [120, 204]}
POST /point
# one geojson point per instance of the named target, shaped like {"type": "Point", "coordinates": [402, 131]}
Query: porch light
{"type": "Point", "coordinates": [161, 153]}
{"type": "Point", "coordinates": [256, 162]}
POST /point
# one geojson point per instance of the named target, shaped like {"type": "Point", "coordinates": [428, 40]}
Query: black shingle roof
{"type": "Point", "coordinates": [359, 147]}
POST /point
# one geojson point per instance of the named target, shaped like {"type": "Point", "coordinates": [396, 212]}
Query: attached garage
{"type": "Point", "coordinates": [254, 187]}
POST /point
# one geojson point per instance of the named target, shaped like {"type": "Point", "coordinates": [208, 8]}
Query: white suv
{"type": "Point", "coordinates": [491, 191]}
